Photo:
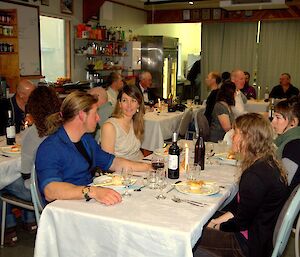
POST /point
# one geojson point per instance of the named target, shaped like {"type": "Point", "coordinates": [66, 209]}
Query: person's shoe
{"type": "Point", "coordinates": [30, 227]}
{"type": "Point", "coordinates": [10, 237]}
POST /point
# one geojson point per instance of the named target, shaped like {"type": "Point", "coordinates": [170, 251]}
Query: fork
{"type": "Point", "coordinates": [179, 200]}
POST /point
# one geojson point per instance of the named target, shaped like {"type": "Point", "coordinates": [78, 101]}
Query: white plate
{"type": "Point", "coordinates": [161, 152]}
{"type": "Point", "coordinates": [11, 150]}
{"type": "Point", "coordinates": [106, 181]}
{"type": "Point", "coordinates": [222, 157]}
{"type": "Point", "coordinates": [207, 188]}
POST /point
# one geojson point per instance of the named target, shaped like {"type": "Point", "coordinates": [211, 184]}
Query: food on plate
{"type": "Point", "coordinates": [231, 156]}
{"type": "Point", "coordinates": [195, 184]}
{"type": "Point", "coordinates": [116, 180]}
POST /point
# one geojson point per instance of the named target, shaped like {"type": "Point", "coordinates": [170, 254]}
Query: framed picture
{"type": "Point", "coordinates": [45, 2]}
{"type": "Point", "coordinates": [66, 6]}
{"type": "Point", "coordinates": [196, 14]}
{"type": "Point", "coordinates": [186, 14]}
{"type": "Point", "coordinates": [205, 14]}
{"type": "Point", "coordinates": [217, 14]}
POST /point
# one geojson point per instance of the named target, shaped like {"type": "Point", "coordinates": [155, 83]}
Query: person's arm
{"type": "Point", "coordinates": [225, 122]}
{"type": "Point", "coordinates": [119, 163]}
{"type": "Point", "coordinates": [67, 191]}
{"type": "Point", "coordinates": [108, 137]}
{"type": "Point", "coordinates": [215, 223]}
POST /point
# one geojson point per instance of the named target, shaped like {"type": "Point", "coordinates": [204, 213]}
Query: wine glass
{"type": "Point", "coordinates": [157, 162]}
{"type": "Point", "coordinates": [126, 180]}
{"type": "Point", "coordinates": [161, 183]}
{"type": "Point", "coordinates": [209, 151]}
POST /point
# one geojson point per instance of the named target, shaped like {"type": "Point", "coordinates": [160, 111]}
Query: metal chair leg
{"type": "Point", "coordinates": [3, 222]}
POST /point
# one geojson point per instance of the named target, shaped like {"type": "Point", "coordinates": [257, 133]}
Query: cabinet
{"type": "Point", "coordinates": [9, 46]}
{"type": "Point", "coordinates": [133, 59]}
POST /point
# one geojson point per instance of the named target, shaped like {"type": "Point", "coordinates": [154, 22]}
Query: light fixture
{"type": "Point", "coordinates": [191, 2]}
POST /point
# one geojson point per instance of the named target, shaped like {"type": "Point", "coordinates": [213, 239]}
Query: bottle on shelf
{"type": "Point", "coordinates": [173, 169]}
{"type": "Point", "coordinates": [10, 130]}
{"type": "Point", "coordinates": [271, 109]}
{"type": "Point", "coordinates": [200, 151]}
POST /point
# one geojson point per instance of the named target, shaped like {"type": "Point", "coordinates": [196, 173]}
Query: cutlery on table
{"type": "Point", "coordinates": [173, 187]}
{"type": "Point", "coordinates": [140, 188]}
{"type": "Point", "coordinates": [178, 200]}
{"type": "Point", "coordinates": [4, 155]}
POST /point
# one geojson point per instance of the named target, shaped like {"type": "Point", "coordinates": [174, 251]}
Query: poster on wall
{"type": "Point", "coordinates": [66, 6]}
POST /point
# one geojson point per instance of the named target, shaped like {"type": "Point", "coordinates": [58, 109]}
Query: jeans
{"type": "Point", "coordinates": [218, 243]}
{"type": "Point", "coordinates": [18, 189]}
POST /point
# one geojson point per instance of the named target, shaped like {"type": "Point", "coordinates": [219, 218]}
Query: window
{"type": "Point", "coordinates": [53, 48]}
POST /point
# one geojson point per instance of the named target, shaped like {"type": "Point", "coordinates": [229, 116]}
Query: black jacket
{"type": "Point", "coordinates": [262, 196]}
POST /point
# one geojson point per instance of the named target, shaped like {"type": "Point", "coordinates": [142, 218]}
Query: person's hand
{"type": "Point", "coordinates": [104, 195]}
{"type": "Point", "coordinates": [213, 224]}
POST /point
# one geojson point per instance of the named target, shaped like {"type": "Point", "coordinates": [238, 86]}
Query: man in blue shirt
{"type": "Point", "coordinates": [65, 159]}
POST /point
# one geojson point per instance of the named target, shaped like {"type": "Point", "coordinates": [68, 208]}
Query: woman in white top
{"type": "Point", "coordinates": [122, 134]}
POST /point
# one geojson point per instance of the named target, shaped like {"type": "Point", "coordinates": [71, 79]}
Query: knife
{"type": "Point", "coordinates": [179, 181]}
{"type": "Point", "coordinates": [5, 156]}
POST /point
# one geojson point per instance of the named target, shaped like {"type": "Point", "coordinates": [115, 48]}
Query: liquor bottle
{"type": "Point", "coordinates": [173, 169]}
{"type": "Point", "coordinates": [271, 110]}
{"type": "Point", "coordinates": [200, 151]}
{"type": "Point", "coordinates": [10, 130]}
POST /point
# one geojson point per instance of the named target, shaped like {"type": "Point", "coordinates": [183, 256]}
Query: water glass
{"type": "Point", "coordinates": [193, 172]}
{"type": "Point", "coordinates": [126, 180]}
{"type": "Point", "coordinates": [161, 183]}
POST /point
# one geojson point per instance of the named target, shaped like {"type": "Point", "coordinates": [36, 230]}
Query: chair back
{"type": "Point", "coordinates": [36, 195]}
{"type": "Point", "coordinates": [201, 123]}
{"type": "Point", "coordinates": [184, 122]}
{"type": "Point", "coordinates": [285, 222]}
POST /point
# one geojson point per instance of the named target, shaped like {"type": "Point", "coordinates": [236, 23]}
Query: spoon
{"type": "Point", "coordinates": [178, 200]}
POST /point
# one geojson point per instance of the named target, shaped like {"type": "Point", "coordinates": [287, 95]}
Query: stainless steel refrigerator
{"type": "Point", "coordinates": [159, 56]}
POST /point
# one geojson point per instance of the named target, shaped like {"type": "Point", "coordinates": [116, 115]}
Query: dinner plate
{"type": "Point", "coordinates": [224, 160]}
{"type": "Point", "coordinates": [207, 188]}
{"type": "Point", "coordinates": [108, 181]}
{"type": "Point", "coordinates": [11, 149]}
{"type": "Point", "coordinates": [162, 152]}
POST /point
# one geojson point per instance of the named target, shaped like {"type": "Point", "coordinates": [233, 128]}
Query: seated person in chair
{"type": "Point", "coordinates": [66, 159]}
{"type": "Point", "coordinates": [42, 102]}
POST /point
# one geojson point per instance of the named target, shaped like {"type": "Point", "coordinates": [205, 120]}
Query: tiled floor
{"type": "Point", "coordinates": [25, 246]}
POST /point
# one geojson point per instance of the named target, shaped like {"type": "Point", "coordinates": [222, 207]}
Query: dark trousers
{"type": "Point", "coordinates": [218, 243]}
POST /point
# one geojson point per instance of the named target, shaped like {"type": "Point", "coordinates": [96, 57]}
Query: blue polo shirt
{"type": "Point", "coordinates": [58, 160]}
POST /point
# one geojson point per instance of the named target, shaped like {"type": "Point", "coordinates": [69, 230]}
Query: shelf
{"type": "Point", "coordinates": [8, 53]}
{"type": "Point", "coordinates": [8, 37]}
{"type": "Point", "coordinates": [103, 41]}
{"type": "Point", "coordinates": [8, 24]}
{"type": "Point", "coordinates": [99, 55]}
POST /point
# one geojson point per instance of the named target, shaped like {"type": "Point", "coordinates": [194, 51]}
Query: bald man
{"type": "Point", "coordinates": [17, 104]}
{"type": "Point", "coordinates": [144, 85]}
{"type": "Point", "coordinates": [239, 79]}
{"type": "Point", "coordinates": [104, 110]}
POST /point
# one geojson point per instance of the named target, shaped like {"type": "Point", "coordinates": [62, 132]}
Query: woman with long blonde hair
{"type": "Point", "coordinates": [122, 134]}
{"type": "Point", "coordinates": [247, 230]}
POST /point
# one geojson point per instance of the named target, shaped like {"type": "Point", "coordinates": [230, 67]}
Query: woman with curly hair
{"type": "Point", "coordinates": [122, 134]}
{"type": "Point", "coordinates": [222, 116]}
{"type": "Point", "coordinates": [247, 230]}
{"type": "Point", "coordinates": [42, 102]}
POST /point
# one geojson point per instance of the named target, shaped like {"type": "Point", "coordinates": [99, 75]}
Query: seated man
{"type": "Point", "coordinates": [115, 84]}
{"type": "Point", "coordinates": [238, 78]}
{"type": "Point", "coordinates": [17, 104]}
{"type": "Point", "coordinates": [285, 89]}
{"type": "Point", "coordinates": [248, 90]}
{"type": "Point", "coordinates": [144, 84]}
{"type": "Point", "coordinates": [105, 108]}
{"type": "Point", "coordinates": [66, 159]}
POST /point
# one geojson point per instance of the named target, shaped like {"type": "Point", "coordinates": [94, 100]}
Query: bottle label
{"type": "Point", "coordinates": [173, 162]}
{"type": "Point", "coordinates": [11, 132]}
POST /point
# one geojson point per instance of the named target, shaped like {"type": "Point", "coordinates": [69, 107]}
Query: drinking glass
{"type": "Point", "coordinates": [193, 172]}
{"type": "Point", "coordinates": [157, 162]}
{"type": "Point", "coordinates": [126, 180]}
{"type": "Point", "coordinates": [209, 151]}
{"type": "Point", "coordinates": [161, 183]}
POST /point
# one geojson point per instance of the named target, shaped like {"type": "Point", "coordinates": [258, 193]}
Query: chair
{"type": "Point", "coordinates": [201, 123]}
{"type": "Point", "coordinates": [184, 122]}
{"type": "Point", "coordinates": [35, 205]}
{"type": "Point", "coordinates": [285, 222]}
{"type": "Point", "coordinates": [297, 239]}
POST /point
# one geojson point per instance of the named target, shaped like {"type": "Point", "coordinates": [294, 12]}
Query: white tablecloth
{"type": "Point", "coordinates": [159, 127]}
{"type": "Point", "coordinates": [256, 106]}
{"type": "Point", "coordinates": [139, 226]}
{"type": "Point", "coordinates": [10, 167]}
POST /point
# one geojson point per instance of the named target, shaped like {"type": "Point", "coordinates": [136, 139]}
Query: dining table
{"type": "Point", "coordinates": [140, 225]}
{"type": "Point", "coordinates": [257, 106]}
{"type": "Point", "coordinates": [10, 163]}
{"type": "Point", "coordinates": [159, 126]}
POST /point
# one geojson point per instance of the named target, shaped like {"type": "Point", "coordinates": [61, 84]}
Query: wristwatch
{"type": "Point", "coordinates": [85, 192]}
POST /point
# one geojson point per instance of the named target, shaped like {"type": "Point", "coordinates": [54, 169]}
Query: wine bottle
{"type": "Point", "coordinates": [271, 109]}
{"type": "Point", "coordinates": [10, 130]}
{"type": "Point", "coordinates": [173, 169]}
{"type": "Point", "coordinates": [200, 151]}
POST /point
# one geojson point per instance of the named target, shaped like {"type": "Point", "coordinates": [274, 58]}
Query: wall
{"type": "Point", "coordinates": [189, 35]}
